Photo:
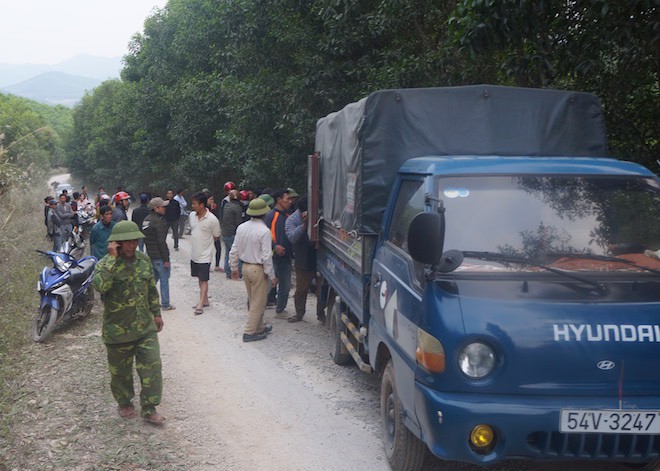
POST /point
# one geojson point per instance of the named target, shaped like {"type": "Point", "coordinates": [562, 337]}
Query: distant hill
{"type": "Point", "coordinates": [84, 65]}
{"type": "Point", "coordinates": [101, 68]}
{"type": "Point", "coordinates": [54, 88]}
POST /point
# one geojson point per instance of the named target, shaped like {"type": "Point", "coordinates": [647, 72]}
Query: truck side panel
{"type": "Point", "coordinates": [348, 283]}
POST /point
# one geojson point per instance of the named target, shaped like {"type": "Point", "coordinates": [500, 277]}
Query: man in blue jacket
{"type": "Point", "coordinates": [304, 261]}
{"type": "Point", "coordinates": [98, 236]}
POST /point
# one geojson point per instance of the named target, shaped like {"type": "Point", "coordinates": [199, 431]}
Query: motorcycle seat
{"type": "Point", "coordinates": [81, 272]}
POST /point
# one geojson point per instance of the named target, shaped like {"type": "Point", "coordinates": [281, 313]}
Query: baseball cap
{"type": "Point", "coordinates": [157, 202]}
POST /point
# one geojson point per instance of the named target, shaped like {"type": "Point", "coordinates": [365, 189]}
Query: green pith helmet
{"type": "Point", "coordinates": [125, 230]}
{"type": "Point", "coordinates": [268, 199]}
{"type": "Point", "coordinates": [257, 207]}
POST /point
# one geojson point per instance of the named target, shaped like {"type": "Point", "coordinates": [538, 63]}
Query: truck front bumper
{"type": "Point", "coordinates": [525, 427]}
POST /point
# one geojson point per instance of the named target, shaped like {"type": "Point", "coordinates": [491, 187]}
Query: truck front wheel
{"type": "Point", "coordinates": [404, 451]}
{"type": "Point", "coordinates": [340, 354]}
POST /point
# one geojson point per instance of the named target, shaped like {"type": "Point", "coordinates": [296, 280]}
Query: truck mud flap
{"type": "Point", "coordinates": [349, 346]}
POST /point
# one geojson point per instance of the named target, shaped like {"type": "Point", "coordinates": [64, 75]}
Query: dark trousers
{"type": "Point", "coordinates": [218, 250]}
{"type": "Point", "coordinates": [182, 224]}
{"type": "Point", "coordinates": [282, 268]}
{"type": "Point", "coordinates": [175, 231]}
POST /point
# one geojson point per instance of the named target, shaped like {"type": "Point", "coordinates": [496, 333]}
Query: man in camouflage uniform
{"type": "Point", "coordinates": [131, 321]}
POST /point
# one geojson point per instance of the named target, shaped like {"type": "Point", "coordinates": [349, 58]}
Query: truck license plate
{"type": "Point", "coordinates": [609, 421]}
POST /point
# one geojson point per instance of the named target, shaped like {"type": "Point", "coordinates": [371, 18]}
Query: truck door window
{"type": "Point", "coordinates": [409, 203]}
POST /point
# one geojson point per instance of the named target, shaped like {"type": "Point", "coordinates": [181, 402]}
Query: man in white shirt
{"type": "Point", "coordinates": [205, 229]}
{"type": "Point", "coordinates": [183, 204]}
{"type": "Point", "coordinates": [253, 246]}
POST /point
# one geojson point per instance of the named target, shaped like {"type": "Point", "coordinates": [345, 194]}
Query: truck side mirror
{"type": "Point", "coordinates": [426, 237]}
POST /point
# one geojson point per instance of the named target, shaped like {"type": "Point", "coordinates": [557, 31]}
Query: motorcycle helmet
{"type": "Point", "coordinates": [244, 194]}
{"type": "Point", "coordinates": [122, 195]}
{"type": "Point", "coordinates": [229, 186]}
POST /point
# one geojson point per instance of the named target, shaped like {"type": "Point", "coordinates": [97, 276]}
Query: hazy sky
{"type": "Point", "coordinates": [51, 31]}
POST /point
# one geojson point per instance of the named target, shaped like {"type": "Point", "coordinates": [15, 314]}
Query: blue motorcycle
{"type": "Point", "coordinates": [66, 290]}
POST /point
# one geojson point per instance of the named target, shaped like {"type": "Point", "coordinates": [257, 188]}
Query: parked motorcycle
{"type": "Point", "coordinates": [66, 290]}
{"type": "Point", "coordinates": [85, 220]}
{"type": "Point", "coordinates": [74, 245]}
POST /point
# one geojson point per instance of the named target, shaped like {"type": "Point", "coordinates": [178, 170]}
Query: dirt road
{"type": "Point", "coordinates": [280, 401]}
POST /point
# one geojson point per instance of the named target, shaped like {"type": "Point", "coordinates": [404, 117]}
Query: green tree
{"type": "Point", "coordinates": [231, 89]}
{"type": "Point", "coordinates": [610, 48]}
{"type": "Point", "coordinates": [30, 139]}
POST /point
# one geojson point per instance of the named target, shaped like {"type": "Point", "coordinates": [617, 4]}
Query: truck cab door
{"type": "Point", "coordinates": [397, 287]}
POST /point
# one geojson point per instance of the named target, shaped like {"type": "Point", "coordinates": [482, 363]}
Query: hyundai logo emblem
{"type": "Point", "coordinates": [605, 365]}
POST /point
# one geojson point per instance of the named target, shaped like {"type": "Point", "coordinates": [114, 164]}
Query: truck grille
{"type": "Point", "coordinates": [595, 446]}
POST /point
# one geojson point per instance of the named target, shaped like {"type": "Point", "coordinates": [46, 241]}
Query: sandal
{"type": "Point", "coordinates": [155, 418]}
{"type": "Point", "coordinates": [199, 311]}
{"type": "Point", "coordinates": [127, 411]}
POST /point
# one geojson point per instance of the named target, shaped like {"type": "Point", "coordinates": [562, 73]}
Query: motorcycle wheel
{"type": "Point", "coordinates": [44, 324]}
{"type": "Point", "coordinates": [87, 309]}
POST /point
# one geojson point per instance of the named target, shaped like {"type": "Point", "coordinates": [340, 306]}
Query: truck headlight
{"type": "Point", "coordinates": [476, 360]}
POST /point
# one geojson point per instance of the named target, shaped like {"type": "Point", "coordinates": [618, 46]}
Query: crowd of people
{"type": "Point", "coordinates": [263, 235]}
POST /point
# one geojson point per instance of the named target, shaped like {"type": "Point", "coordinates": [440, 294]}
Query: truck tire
{"type": "Point", "coordinates": [44, 324]}
{"type": "Point", "coordinates": [340, 354]}
{"type": "Point", "coordinates": [404, 451]}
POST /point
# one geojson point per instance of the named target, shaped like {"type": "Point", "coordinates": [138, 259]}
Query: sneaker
{"type": "Point", "coordinates": [293, 319]}
{"type": "Point", "coordinates": [218, 269]}
{"type": "Point", "coordinates": [271, 303]}
{"type": "Point", "coordinates": [168, 308]}
{"type": "Point", "coordinates": [268, 328]}
{"type": "Point", "coordinates": [254, 337]}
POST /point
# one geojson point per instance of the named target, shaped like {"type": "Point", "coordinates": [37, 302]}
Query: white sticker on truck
{"type": "Point", "coordinates": [606, 333]}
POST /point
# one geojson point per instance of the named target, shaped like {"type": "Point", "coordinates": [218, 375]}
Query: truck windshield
{"type": "Point", "coordinates": [568, 222]}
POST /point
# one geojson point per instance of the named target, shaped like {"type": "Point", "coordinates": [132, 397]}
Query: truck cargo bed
{"type": "Point", "coordinates": [344, 260]}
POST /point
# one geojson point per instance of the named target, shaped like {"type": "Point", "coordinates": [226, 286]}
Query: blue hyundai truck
{"type": "Point", "coordinates": [483, 255]}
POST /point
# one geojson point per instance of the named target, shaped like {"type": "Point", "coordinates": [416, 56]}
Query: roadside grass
{"type": "Point", "coordinates": [56, 409]}
{"type": "Point", "coordinates": [22, 230]}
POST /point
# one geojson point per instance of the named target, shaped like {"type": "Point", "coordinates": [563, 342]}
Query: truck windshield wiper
{"type": "Point", "coordinates": [603, 258]}
{"type": "Point", "coordinates": [506, 258]}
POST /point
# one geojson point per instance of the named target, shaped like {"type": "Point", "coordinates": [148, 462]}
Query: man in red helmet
{"type": "Point", "coordinates": [229, 186]}
{"type": "Point", "coordinates": [245, 202]}
{"type": "Point", "coordinates": [122, 202]}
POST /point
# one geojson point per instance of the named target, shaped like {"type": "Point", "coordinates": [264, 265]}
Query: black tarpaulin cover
{"type": "Point", "coordinates": [363, 145]}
